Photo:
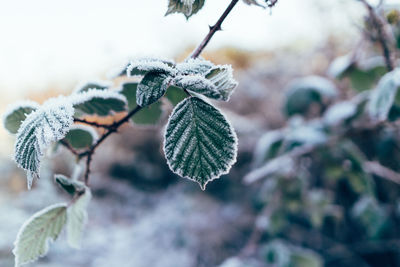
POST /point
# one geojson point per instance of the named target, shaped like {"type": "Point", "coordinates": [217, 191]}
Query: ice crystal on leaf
{"type": "Point", "coordinates": [143, 66]}
{"type": "Point", "coordinates": [194, 66]}
{"type": "Point", "coordinates": [199, 142]}
{"type": "Point", "coordinates": [152, 87]}
{"type": "Point", "coordinates": [49, 124]}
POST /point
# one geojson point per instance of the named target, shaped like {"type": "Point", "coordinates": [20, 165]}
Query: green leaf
{"type": "Point", "coordinates": [16, 114]}
{"type": "Point", "coordinates": [146, 116]}
{"type": "Point", "coordinates": [70, 185]}
{"type": "Point", "coordinates": [33, 238]}
{"type": "Point", "coordinates": [151, 88]}
{"type": "Point", "coordinates": [98, 85]}
{"type": "Point", "coordinates": [199, 142]}
{"type": "Point", "coordinates": [383, 96]}
{"type": "Point", "coordinates": [175, 95]}
{"type": "Point", "coordinates": [81, 136]}
{"type": "Point", "coordinates": [47, 125]}
{"type": "Point", "coordinates": [99, 102]}
{"type": "Point", "coordinates": [186, 7]}
{"type": "Point", "coordinates": [77, 218]}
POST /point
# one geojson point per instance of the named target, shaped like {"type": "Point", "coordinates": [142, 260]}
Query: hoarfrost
{"type": "Point", "coordinates": [50, 123]}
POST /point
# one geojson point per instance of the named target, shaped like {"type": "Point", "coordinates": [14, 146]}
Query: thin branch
{"type": "Point", "coordinates": [92, 123]}
{"type": "Point", "coordinates": [379, 25]}
{"type": "Point", "coordinates": [214, 29]}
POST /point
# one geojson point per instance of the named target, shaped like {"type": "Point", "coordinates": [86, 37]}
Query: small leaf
{"type": "Point", "coordinates": [146, 116]}
{"type": "Point", "coordinates": [16, 114]}
{"type": "Point", "coordinates": [186, 7]}
{"type": "Point", "coordinates": [222, 78]}
{"type": "Point", "coordinates": [49, 124]}
{"type": "Point", "coordinates": [71, 186]}
{"type": "Point", "coordinates": [151, 88]}
{"type": "Point", "coordinates": [81, 136]}
{"type": "Point", "coordinates": [33, 238]}
{"type": "Point", "coordinates": [99, 102]}
{"type": "Point", "coordinates": [199, 142]}
{"type": "Point", "coordinates": [175, 95]}
{"type": "Point", "coordinates": [383, 96]}
{"type": "Point", "coordinates": [77, 218]}
{"type": "Point", "coordinates": [193, 66]}
{"type": "Point", "coordinates": [143, 66]}
{"type": "Point", "coordinates": [98, 85]}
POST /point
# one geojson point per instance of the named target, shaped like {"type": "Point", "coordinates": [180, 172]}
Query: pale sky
{"type": "Point", "coordinates": [60, 42]}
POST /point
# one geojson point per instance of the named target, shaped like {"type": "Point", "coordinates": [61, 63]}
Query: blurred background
{"type": "Point", "coordinates": [326, 212]}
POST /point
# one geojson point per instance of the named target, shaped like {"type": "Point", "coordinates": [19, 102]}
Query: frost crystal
{"type": "Point", "coordinates": [143, 66]}
{"type": "Point", "coordinates": [199, 143]}
{"type": "Point", "coordinates": [194, 66]}
{"type": "Point", "coordinates": [50, 123]}
{"type": "Point", "coordinates": [86, 86]}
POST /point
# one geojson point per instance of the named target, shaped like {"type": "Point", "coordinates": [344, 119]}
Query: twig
{"type": "Point", "coordinates": [92, 123]}
{"type": "Point", "coordinates": [214, 29]}
{"type": "Point", "coordinates": [379, 25]}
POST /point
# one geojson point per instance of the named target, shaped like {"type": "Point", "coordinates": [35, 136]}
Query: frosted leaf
{"type": "Point", "coordinates": [147, 115]}
{"type": "Point", "coordinates": [81, 136]}
{"type": "Point", "coordinates": [194, 66]}
{"type": "Point", "coordinates": [340, 66]}
{"type": "Point", "coordinates": [77, 218]}
{"type": "Point", "coordinates": [383, 96]}
{"type": "Point", "coordinates": [86, 86]}
{"type": "Point", "coordinates": [278, 166]}
{"type": "Point", "coordinates": [339, 113]}
{"type": "Point", "coordinates": [175, 95]}
{"type": "Point", "coordinates": [198, 84]}
{"type": "Point", "coordinates": [49, 124]}
{"type": "Point", "coordinates": [222, 78]}
{"type": "Point", "coordinates": [199, 143]}
{"type": "Point", "coordinates": [71, 186]}
{"type": "Point", "coordinates": [302, 93]}
{"type": "Point", "coordinates": [308, 134]}
{"type": "Point", "coordinates": [267, 147]}
{"type": "Point", "coordinates": [16, 113]}
{"type": "Point", "coordinates": [151, 88]}
{"type": "Point", "coordinates": [186, 7]}
{"type": "Point", "coordinates": [34, 236]}
{"type": "Point", "coordinates": [99, 102]}
{"type": "Point", "coordinates": [143, 66]}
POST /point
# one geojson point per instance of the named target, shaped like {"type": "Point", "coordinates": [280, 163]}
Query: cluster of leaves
{"type": "Point", "coordinates": [330, 172]}
{"type": "Point", "coordinates": [199, 142]}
